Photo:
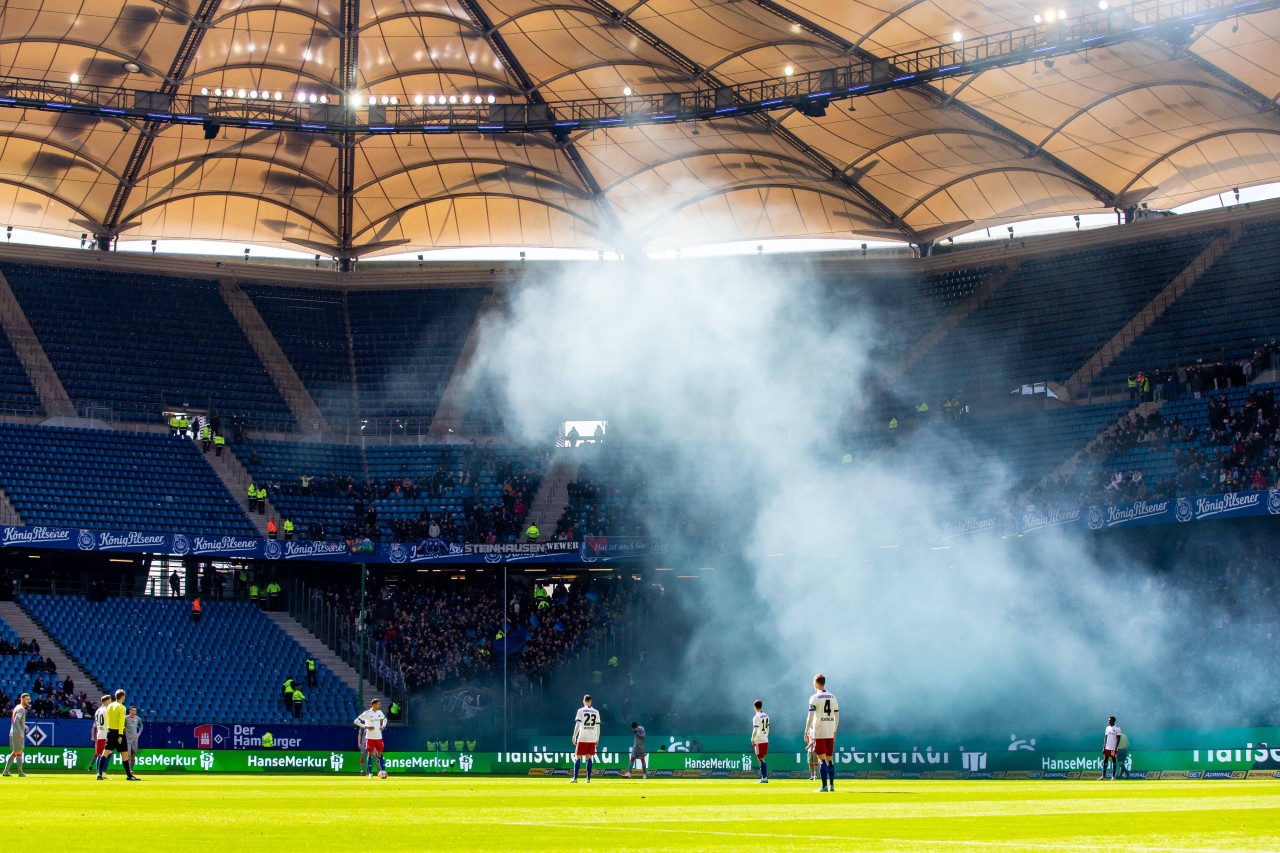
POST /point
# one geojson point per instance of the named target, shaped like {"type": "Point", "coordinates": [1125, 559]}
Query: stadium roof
{"type": "Point", "coordinates": [1162, 120]}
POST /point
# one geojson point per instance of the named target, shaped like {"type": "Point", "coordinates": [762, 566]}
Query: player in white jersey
{"type": "Point", "coordinates": [1110, 743]}
{"type": "Point", "coordinates": [372, 722]}
{"type": "Point", "coordinates": [820, 730]}
{"type": "Point", "coordinates": [586, 734]}
{"type": "Point", "coordinates": [760, 739]}
{"type": "Point", "coordinates": [17, 733]}
{"type": "Point", "coordinates": [98, 731]}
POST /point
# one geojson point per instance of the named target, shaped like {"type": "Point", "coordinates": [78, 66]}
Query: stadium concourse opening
{"type": "Point", "coordinates": [579, 433]}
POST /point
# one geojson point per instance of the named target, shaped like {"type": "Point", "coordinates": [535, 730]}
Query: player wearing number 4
{"type": "Point", "coordinates": [820, 729]}
{"type": "Point", "coordinates": [372, 722]}
{"type": "Point", "coordinates": [586, 734]}
{"type": "Point", "coordinates": [760, 739]}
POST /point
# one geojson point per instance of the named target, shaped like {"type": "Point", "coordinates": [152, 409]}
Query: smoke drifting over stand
{"type": "Point", "coordinates": [728, 385]}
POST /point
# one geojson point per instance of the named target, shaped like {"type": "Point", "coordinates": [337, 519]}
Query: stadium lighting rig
{"type": "Point", "coordinates": [810, 92]}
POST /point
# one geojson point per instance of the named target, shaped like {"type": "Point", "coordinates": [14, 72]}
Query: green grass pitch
{"type": "Point", "coordinates": [304, 814]}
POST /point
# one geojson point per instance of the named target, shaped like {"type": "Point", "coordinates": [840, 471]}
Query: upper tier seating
{"type": "Point", "coordinates": [406, 345]}
{"type": "Point", "coordinates": [1051, 315]}
{"type": "Point", "coordinates": [309, 325]}
{"type": "Point", "coordinates": [112, 480]}
{"type": "Point", "coordinates": [229, 667]}
{"type": "Point", "coordinates": [1226, 315]}
{"type": "Point", "coordinates": [138, 343]}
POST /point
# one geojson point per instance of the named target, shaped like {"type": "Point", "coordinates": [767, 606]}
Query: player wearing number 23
{"type": "Point", "coordinates": [586, 734]}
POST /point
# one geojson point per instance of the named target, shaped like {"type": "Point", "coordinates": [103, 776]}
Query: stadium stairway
{"type": "Point", "coordinates": [8, 513]}
{"type": "Point", "coordinates": [322, 653]}
{"type": "Point", "coordinates": [27, 629]}
{"type": "Point", "coordinates": [236, 479]}
{"type": "Point", "coordinates": [994, 281]}
{"type": "Point", "coordinates": [1087, 451]}
{"type": "Point", "coordinates": [44, 379]}
{"type": "Point", "coordinates": [553, 493]}
{"type": "Point", "coordinates": [286, 379]}
{"type": "Point", "coordinates": [454, 402]}
{"type": "Point", "coordinates": [1151, 312]}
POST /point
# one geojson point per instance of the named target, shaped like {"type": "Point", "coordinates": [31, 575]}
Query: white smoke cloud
{"type": "Point", "coordinates": [690, 360]}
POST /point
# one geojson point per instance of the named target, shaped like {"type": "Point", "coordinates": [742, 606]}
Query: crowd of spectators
{"type": "Point", "coordinates": [376, 516]}
{"type": "Point", "coordinates": [444, 635]}
{"type": "Point", "coordinates": [599, 508]}
{"type": "Point", "coordinates": [1172, 382]}
{"type": "Point", "coordinates": [1239, 450]}
{"type": "Point", "coordinates": [50, 696]}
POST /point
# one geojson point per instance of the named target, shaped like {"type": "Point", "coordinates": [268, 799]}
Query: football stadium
{"type": "Point", "coordinates": [652, 425]}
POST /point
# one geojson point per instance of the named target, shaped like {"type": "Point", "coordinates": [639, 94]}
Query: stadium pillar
{"type": "Point", "coordinates": [364, 574]}
{"type": "Point", "coordinates": [506, 629]}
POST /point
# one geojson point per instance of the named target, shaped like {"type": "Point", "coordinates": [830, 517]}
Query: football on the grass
{"type": "Point", "coordinates": [382, 774]}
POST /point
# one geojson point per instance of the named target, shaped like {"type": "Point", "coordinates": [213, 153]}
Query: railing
{"type": "Point", "coordinates": [337, 631]}
{"type": "Point", "coordinates": [809, 91]}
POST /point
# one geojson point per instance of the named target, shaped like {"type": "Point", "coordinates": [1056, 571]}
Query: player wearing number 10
{"type": "Point", "coordinates": [586, 734]}
{"type": "Point", "coordinates": [820, 729]}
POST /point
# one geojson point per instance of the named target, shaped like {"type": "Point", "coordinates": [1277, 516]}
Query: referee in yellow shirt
{"type": "Point", "coordinates": [115, 739]}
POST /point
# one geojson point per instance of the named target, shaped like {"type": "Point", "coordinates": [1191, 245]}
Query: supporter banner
{"type": "Point", "coordinates": [1141, 764]}
{"type": "Point", "coordinates": [1164, 511]}
{"type": "Point", "coordinates": [605, 548]}
{"type": "Point", "coordinates": [355, 551]}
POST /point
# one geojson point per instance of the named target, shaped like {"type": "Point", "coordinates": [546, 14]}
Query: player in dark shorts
{"type": "Point", "coordinates": [116, 741]}
{"type": "Point", "coordinates": [637, 753]}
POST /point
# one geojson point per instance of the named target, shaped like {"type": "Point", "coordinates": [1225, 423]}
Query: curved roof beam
{"type": "Point", "coordinates": [887, 19]}
{"type": "Point", "coordinates": [995, 171]}
{"type": "Point", "coordinates": [551, 7]}
{"type": "Point", "coordinates": [554, 177]}
{"type": "Point", "coordinates": [1137, 87]}
{"type": "Point", "coordinates": [435, 16]}
{"type": "Point", "coordinates": [716, 152]}
{"type": "Point", "coordinates": [400, 211]}
{"type": "Point", "coordinates": [64, 148]}
{"type": "Point", "coordinates": [47, 194]}
{"type": "Point", "coordinates": [147, 208]}
{"type": "Point", "coordinates": [475, 75]}
{"type": "Point", "coordinates": [284, 10]}
{"type": "Point", "coordinates": [270, 66]}
{"type": "Point", "coordinates": [92, 48]}
{"type": "Point", "coordinates": [1265, 131]}
{"type": "Point", "coordinates": [710, 194]}
{"type": "Point", "coordinates": [236, 154]}
{"type": "Point", "coordinates": [941, 131]}
{"type": "Point", "coordinates": [644, 63]}
{"type": "Point", "coordinates": [753, 48]}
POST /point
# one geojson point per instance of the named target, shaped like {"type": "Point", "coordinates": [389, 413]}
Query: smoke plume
{"type": "Point", "coordinates": [729, 385]}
